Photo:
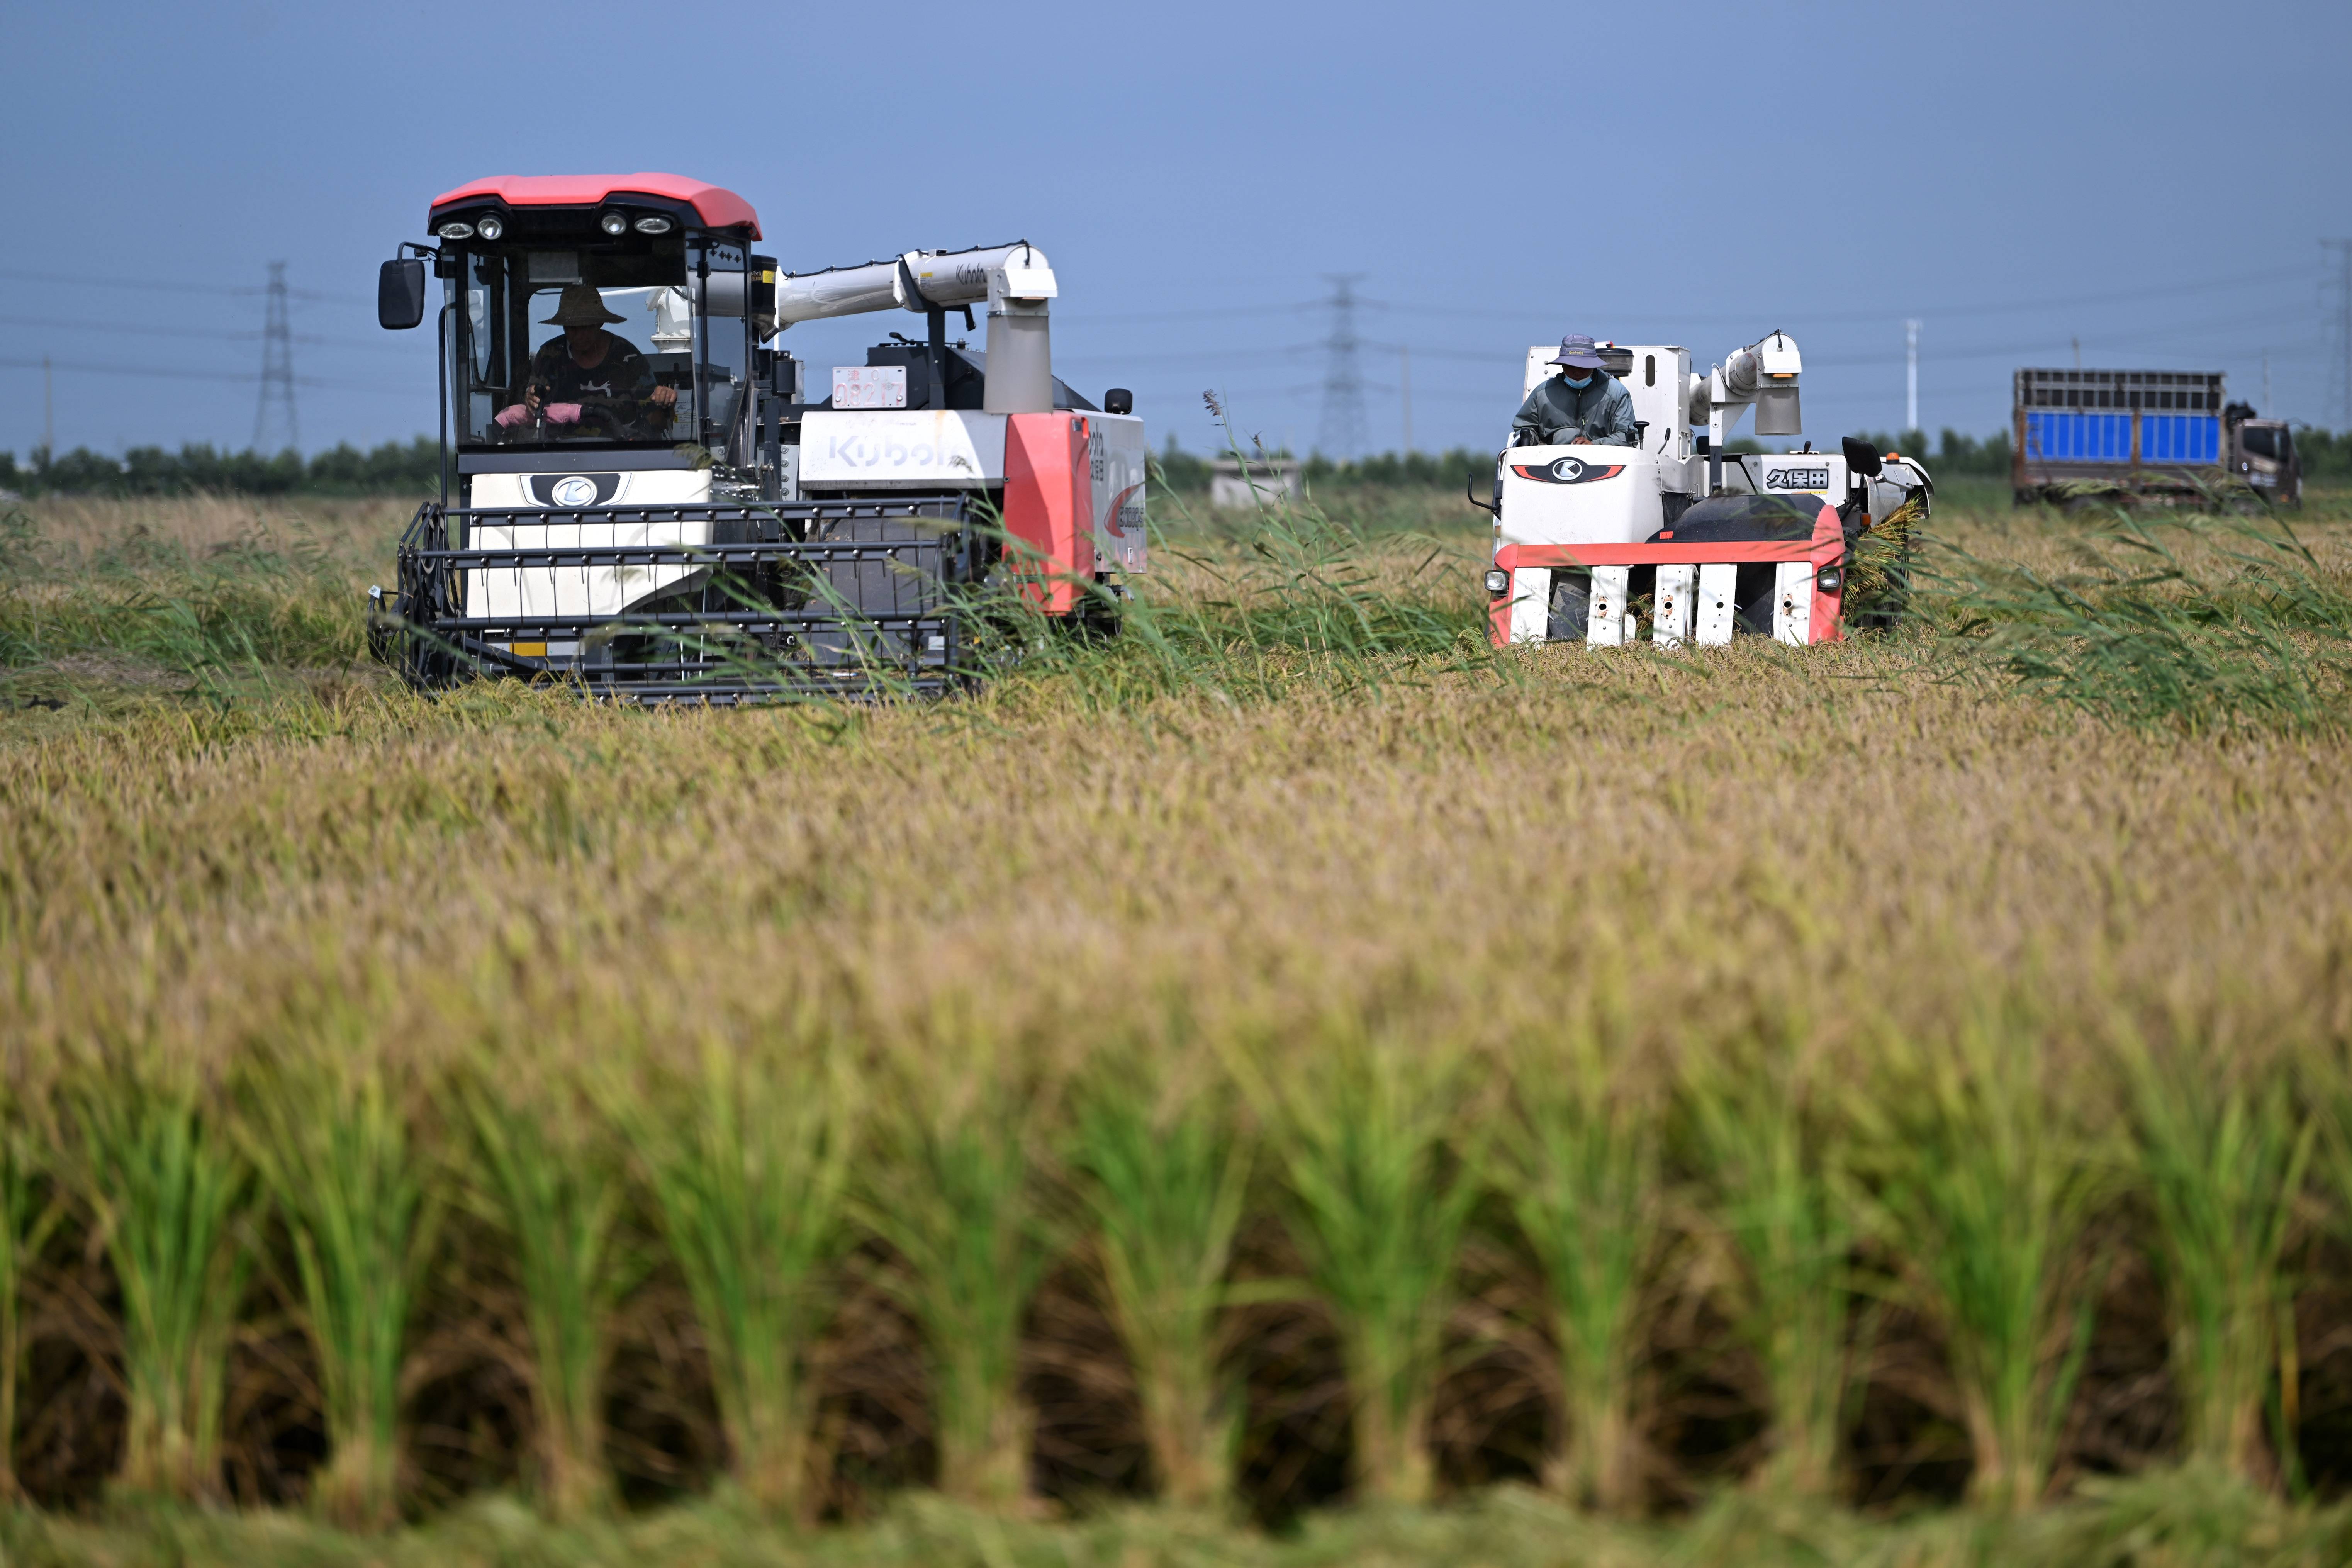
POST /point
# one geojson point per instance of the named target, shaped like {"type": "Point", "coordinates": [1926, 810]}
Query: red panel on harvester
{"type": "Point", "coordinates": [1049, 507]}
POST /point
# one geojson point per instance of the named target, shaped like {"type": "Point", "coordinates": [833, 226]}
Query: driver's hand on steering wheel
{"type": "Point", "coordinates": [663, 397]}
{"type": "Point", "coordinates": [1582, 441]}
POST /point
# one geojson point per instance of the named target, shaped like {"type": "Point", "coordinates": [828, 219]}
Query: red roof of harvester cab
{"type": "Point", "coordinates": [717, 207]}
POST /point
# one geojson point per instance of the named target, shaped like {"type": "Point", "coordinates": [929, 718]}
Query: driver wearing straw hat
{"type": "Point", "coordinates": [588, 371]}
{"type": "Point", "coordinates": [1583, 405]}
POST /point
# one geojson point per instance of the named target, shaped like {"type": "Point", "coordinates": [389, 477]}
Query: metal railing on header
{"type": "Point", "coordinates": [776, 601]}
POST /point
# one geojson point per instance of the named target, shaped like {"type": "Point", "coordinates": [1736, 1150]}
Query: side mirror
{"type": "Point", "coordinates": [1862, 458]}
{"type": "Point", "coordinates": [1119, 400]}
{"type": "Point", "coordinates": [399, 294]}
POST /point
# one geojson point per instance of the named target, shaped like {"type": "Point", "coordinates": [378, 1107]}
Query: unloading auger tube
{"type": "Point", "coordinates": [643, 494]}
{"type": "Point", "coordinates": [1713, 543]}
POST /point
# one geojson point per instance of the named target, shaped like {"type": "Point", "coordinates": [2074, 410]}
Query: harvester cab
{"type": "Point", "coordinates": [1678, 537]}
{"type": "Point", "coordinates": [641, 494]}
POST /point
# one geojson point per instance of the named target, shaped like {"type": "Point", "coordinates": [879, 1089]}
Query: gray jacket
{"type": "Point", "coordinates": [1557, 413]}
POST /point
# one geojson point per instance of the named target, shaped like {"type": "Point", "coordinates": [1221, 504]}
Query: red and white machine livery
{"type": "Point", "coordinates": [644, 491]}
{"type": "Point", "coordinates": [1713, 545]}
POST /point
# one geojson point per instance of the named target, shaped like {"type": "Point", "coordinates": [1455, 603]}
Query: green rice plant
{"type": "Point", "coordinates": [543, 1176]}
{"type": "Point", "coordinates": [361, 1209]}
{"type": "Point", "coordinates": [260, 603]}
{"type": "Point", "coordinates": [746, 1155]}
{"type": "Point", "coordinates": [1376, 1197]}
{"type": "Point", "coordinates": [955, 1187]}
{"type": "Point", "coordinates": [1772, 1179]}
{"type": "Point", "coordinates": [2201, 625]}
{"type": "Point", "coordinates": [1576, 1157]}
{"type": "Point", "coordinates": [171, 1196]}
{"type": "Point", "coordinates": [1983, 1181]}
{"type": "Point", "coordinates": [1162, 1167]}
{"type": "Point", "coordinates": [2222, 1150]}
{"type": "Point", "coordinates": [2325, 1088]}
{"type": "Point", "coordinates": [26, 1219]}
{"type": "Point", "coordinates": [1255, 609]}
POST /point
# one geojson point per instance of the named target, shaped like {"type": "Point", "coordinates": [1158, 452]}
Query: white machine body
{"type": "Point", "coordinates": [901, 449]}
{"type": "Point", "coordinates": [1603, 495]}
{"type": "Point", "coordinates": [1582, 495]}
{"type": "Point", "coordinates": [1119, 458]}
{"type": "Point", "coordinates": [1625, 498]}
{"type": "Point", "coordinates": [870, 442]}
{"type": "Point", "coordinates": [577, 592]}
{"type": "Point", "coordinates": [915, 281]}
{"type": "Point", "coordinates": [847, 451]}
{"type": "Point", "coordinates": [1823, 474]}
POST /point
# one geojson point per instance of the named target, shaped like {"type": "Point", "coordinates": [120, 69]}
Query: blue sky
{"type": "Point", "coordinates": [2151, 179]}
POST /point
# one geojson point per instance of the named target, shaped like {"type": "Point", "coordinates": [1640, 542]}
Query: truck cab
{"type": "Point", "coordinates": [2263, 456]}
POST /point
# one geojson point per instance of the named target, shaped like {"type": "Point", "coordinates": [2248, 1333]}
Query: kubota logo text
{"type": "Point", "coordinates": [863, 452]}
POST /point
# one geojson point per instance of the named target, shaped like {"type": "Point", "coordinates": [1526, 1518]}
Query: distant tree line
{"type": "Point", "coordinates": [2325, 456]}
{"type": "Point", "coordinates": [396, 467]}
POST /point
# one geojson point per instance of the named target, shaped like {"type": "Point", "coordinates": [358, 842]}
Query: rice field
{"type": "Point", "coordinates": [1287, 1085]}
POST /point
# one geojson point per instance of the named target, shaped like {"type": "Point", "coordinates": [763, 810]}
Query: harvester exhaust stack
{"type": "Point", "coordinates": [1020, 338]}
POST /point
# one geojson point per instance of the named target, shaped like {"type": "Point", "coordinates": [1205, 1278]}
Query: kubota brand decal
{"type": "Point", "coordinates": [858, 451]}
{"type": "Point", "coordinates": [1796, 479]}
{"type": "Point", "coordinates": [1567, 471]}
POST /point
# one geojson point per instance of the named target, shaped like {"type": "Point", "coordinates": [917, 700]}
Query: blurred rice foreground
{"type": "Point", "coordinates": [1287, 1085]}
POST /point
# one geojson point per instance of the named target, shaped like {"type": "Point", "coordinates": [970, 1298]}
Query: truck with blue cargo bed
{"type": "Point", "coordinates": [2144, 434]}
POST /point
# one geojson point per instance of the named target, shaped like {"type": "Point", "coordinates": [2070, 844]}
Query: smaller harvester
{"type": "Point", "coordinates": [1677, 537]}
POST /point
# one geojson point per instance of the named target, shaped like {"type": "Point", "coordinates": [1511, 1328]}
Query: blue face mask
{"type": "Point", "coordinates": [1580, 386]}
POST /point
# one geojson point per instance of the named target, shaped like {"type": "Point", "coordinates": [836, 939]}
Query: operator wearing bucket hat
{"type": "Point", "coordinates": [1583, 405]}
{"type": "Point", "coordinates": [590, 382]}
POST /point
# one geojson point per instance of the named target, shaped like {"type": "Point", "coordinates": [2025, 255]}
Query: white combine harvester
{"type": "Point", "coordinates": [643, 493]}
{"type": "Point", "coordinates": [1715, 543]}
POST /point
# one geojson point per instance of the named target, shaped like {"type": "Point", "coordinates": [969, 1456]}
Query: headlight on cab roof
{"type": "Point", "coordinates": [456, 230]}
{"type": "Point", "coordinates": [654, 224]}
{"type": "Point", "coordinates": [494, 227]}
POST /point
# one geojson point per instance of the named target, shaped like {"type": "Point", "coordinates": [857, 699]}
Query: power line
{"type": "Point", "coordinates": [158, 286]}
{"type": "Point", "coordinates": [214, 333]}
{"type": "Point", "coordinates": [276, 364]}
{"type": "Point", "coordinates": [1344, 436]}
{"type": "Point", "coordinates": [236, 377]}
{"type": "Point", "coordinates": [2155, 291]}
